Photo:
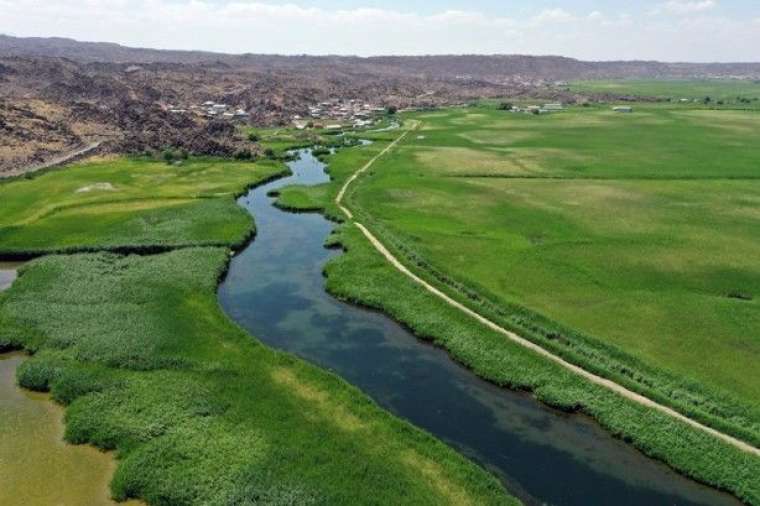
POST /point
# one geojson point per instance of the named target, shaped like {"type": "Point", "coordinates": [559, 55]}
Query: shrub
{"type": "Point", "coordinates": [243, 154]}
{"type": "Point", "coordinates": [168, 155]}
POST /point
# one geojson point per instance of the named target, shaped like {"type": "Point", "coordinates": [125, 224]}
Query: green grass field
{"type": "Point", "coordinates": [728, 90]}
{"type": "Point", "coordinates": [128, 204]}
{"type": "Point", "coordinates": [640, 230]}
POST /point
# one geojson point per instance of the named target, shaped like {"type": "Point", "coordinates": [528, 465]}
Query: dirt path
{"type": "Point", "coordinates": [525, 343]}
{"type": "Point", "coordinates": [58, 160]}
{"type": "Point", "coordinates": [359, 172]}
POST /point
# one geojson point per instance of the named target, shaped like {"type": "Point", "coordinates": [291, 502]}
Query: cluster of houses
{"type": "Point", "coordinates": [539, 109]}
{"type": "Point", "coordinates": [211, 109]}
{"type": "Point", "coordinates": [356, 112]}
{"type": "Point", "coordinates": [557, 106]}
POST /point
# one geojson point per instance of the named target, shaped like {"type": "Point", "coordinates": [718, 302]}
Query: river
{"type": "Point", "coordinates": [8, 274]}
{"type": "Point", "coordinates": [275, 289]}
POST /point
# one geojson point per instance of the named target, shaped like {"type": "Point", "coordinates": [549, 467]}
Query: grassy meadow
{"type": "Point", "coordinates": [730, 91]}
{"type": "Point", "coordinates": [128, 204]}
{"type": "Point", "coordinates": [639, 230]}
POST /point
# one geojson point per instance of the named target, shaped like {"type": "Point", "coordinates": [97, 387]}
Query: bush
{"type": "Point", "coordinates": [243, 154]}
{"type": "Point", "coordinates": [253, 137]}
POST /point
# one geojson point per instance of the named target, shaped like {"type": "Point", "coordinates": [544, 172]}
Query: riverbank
{"type": "Point", "coordinates": [507, 432]}
{"type": "Point", "coordinates": [693, 453]}
{"type": "Point", "coordinates": [138, 351]}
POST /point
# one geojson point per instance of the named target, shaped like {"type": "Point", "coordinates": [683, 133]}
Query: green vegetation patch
{"type": "Point", "coordinates": [738, 93]}
{"type": "Point", "coordinates": [129, 204]}
{"type": "Point", "coordinates": [632, 259]}
{"type": "Point", "coordinates": [363, 276]}
{"type": "Point", "coordinates": [656, 255]}
{"type": "Point", "coordinates": [198, 412]}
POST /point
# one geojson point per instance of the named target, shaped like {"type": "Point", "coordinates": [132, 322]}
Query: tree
{"type": "Point", "coordinates": [707, 100]}
{"type": "Point", "coordinates": [505, 106]}
{"type": "Point", "coordinates": [269, 153]}
{"type": "Point", "coordinates": [253, 137]}
{"type": "Point", "coordinates": [392, 109]}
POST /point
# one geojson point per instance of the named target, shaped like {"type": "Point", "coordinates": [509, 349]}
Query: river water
{"type": "Point", "coordinates": [275, 289]}
{"type": "Point", "coordinates": [8, 274]}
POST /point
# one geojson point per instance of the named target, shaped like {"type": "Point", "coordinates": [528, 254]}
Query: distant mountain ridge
{"type": "Point", "coordinates": [493, 68]}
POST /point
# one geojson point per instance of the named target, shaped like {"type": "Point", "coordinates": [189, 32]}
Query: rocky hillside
{"type": "Point", "coordinates": [59, 95]}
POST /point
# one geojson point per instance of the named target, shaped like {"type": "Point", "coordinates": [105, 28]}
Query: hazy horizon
{"type": "Point", "coordinates": [669, 31]}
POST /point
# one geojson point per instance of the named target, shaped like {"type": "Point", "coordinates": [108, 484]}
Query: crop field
{"type": "Point", "coordinates": [128, 204]}
{"type": "Point", "coordinates": [728, 90]}
{"type": "Point", "coordinates": [624, 242]}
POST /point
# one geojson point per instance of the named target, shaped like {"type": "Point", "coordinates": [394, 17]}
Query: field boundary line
{"type": "Point", "coordinates": [526, 343]}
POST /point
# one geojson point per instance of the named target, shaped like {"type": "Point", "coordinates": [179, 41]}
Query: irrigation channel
{"type": "Point", "coordinates": [275, 289]}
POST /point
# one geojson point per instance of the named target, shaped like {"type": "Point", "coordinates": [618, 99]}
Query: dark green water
{"type": "Point", "coordinates": [275, 289]}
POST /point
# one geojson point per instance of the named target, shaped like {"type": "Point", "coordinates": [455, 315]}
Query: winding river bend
{"type": "Point", "coordinates": [275, 289]}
